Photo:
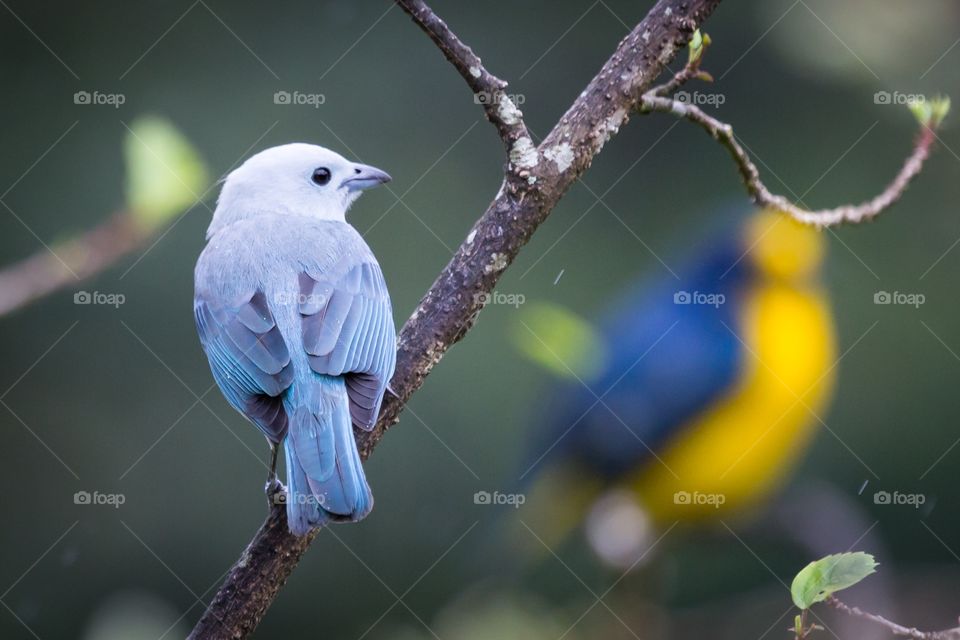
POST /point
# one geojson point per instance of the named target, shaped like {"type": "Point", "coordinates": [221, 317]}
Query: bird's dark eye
{"type": "Point", "coordinates": [321, 176]}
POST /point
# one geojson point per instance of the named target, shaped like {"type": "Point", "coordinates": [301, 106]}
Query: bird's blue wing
{"type": "Point", "coordinates": [248, 357]}
{"type": "Point", "coordinates": [348, 330]}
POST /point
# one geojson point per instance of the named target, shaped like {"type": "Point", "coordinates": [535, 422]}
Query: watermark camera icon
{"type": "Point", "coordinates": [281, 97]}
{"type": "Point", "coordinates": [482, 497]}
{"type": "Point", "coordinates": [81, 97]}
{"type": "Point", "coordinates": [82, 497]}
{"type": "Point", "coordinates": [881, 497]}
{"type": "Point", "coordinates": [682, 497]}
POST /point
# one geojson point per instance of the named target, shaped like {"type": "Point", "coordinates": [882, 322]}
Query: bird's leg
{"type": "Point", "coordinates": [274, 488]}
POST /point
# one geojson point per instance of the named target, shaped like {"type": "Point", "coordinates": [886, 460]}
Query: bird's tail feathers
{"type": "Point", "coordinates": [325, 479]}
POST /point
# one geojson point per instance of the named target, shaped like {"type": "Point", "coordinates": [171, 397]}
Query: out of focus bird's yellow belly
{"type": "Point", "coordinates": [742, 448]}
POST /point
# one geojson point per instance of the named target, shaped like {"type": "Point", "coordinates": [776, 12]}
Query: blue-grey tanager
{"type": "Point", "coordinates": [294, 316]}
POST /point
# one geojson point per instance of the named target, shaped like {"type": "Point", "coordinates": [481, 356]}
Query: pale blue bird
{"type": "Point", "coordinates": [295, 318]}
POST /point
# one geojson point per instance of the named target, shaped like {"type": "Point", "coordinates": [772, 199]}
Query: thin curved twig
{"type": "Point", "coordinates": [848, 213]}
{"type": "Point", "coordinates": [893, 627]}
{"type": "Point", "coordinates": [657, 99]}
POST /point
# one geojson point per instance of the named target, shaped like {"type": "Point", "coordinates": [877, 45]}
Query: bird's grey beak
{"type": "Point", "coordinates": [365, 177]}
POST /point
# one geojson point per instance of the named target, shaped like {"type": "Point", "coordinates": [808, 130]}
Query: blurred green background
{"type": "Point", "coordinates": [112, 406]}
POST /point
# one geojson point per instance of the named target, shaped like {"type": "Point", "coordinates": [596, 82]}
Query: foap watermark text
{"type": "Point", "coordinates": [99, 298]}
{"type": "Point", "coordinates": [899, 298]}
{"type": "Point", "coordinates": [99, 98]}
{"type": "Point", "coordinates": [515, 500]}
{"type": "Point", "coordinates": [495, 297]}
{"type": "Point", "coordinates": [699, 297]}
{"type": "Point", "coordinates": [700, 99]}
{"type": "Point", "coordinates": [915, 500]}
{"type": "Point", "coordinates": [699, 498]}
{"type": "Point", "coordinates": [114, 500]}
{"type": "Point", "coordinates": [486, 97]}
{"type": "Point", "coordinates": [299, 98]}
{"type": "Point", "coordinates": [898, 98]}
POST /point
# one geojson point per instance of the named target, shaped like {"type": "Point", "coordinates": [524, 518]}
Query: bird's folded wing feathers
{"type": "Point", "coordinates": [248, 356]}
{"type": "Point", "coordinates": [348, 330]}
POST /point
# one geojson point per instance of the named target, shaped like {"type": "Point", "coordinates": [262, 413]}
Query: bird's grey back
{"type": "Point", "coordinates": [267, 253]}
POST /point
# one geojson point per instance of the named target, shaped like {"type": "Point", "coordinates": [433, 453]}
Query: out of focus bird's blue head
{"type": "Point", "coordinates": [296, 179]}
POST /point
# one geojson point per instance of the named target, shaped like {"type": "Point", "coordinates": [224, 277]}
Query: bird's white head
{"type": "Point", "coordinates": [293, 179]}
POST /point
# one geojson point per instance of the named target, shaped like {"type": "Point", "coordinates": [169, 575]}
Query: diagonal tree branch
{"type": "Point", "coordinates": [535, 179]}
{"type": "Point", "coordinates": [69, 262]}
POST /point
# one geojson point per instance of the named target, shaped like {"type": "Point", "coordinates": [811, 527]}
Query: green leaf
{"type": "Point", "coordinates": [697, 45]}
{"type": "Point", "coordinates": [558, 340]}
{"type": "Point", "coordinates": [822, 578]}
{"type": "Point", "coordinates": [930, 113]}
{"type": "Point", "coordinates": [165, 174]}
{"type": "Point", "coordinates": [920, 110]}
{"type": "Point", "coordinates": [939, 108]}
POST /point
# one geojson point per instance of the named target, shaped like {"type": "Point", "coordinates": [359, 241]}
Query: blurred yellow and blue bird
{"type": "Point", "coordinates": [712, 387]}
